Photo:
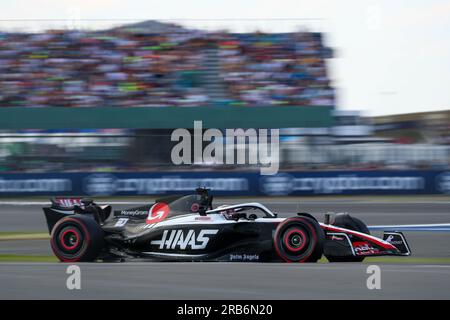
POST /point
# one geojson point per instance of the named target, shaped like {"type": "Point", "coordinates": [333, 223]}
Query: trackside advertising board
{"type": "Point", "coordinates": [227, 183]}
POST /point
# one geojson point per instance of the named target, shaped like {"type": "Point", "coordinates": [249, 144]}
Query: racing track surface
{"type": "Point", "coordinates": [237, 280]}
{"type": "Point", "coordinates": [19, 216]}
{"type": "Point", "coordinates": [28, 216]}
{"type": "Point", "coordinates": [223, 281]}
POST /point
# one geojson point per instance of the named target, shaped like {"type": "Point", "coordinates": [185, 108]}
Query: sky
{"type": "Point", "coordinates": [390, 56]}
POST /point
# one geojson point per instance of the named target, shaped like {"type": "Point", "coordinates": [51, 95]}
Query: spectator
{"type": "Point", "coordinates": [123, 68]}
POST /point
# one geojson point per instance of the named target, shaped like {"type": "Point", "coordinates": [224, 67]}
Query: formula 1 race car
{"type": "Point", "coordinates": [188, 228]}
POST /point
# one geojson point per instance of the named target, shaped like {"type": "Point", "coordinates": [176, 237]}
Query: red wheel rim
{"type": "Point", "coordinates": [289, 240]}
{"type": "Point", "coordinates": [69, 239]}
{"type": "Point", "coordinates": [280, 248]}
{"type": "Point", "coordinates": [72, 224]}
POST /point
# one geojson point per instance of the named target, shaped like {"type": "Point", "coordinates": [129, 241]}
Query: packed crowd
{"type": "Point", "coordinates": [80, 69]}
{"type": "Point", "coordinates": [122, 68]}
{"type": "Point", "coordinates": [276, 69]}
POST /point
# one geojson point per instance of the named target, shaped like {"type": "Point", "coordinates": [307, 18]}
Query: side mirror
{"type": "Point", "coordinates": [328, 218]}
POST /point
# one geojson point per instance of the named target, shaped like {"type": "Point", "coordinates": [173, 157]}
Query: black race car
{"type": "Point", "coordinates": [188, 228]}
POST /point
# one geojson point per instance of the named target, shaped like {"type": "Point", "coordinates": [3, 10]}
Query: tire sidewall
{"type": "Point", "coordinates": [91, 237]}
{"type": "Point", "coordinates": [314, 237]}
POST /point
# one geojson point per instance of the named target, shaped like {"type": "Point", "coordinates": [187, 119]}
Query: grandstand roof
{"type": "Point", "coordinates": [150, 26]}
{"type": "Point", "coordinates": [416, 116]}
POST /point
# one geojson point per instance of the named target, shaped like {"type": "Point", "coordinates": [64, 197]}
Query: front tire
{"type": "Point", "coordinates": [299, 239]}
{"type": "Point", "coordinates": [77, 238]}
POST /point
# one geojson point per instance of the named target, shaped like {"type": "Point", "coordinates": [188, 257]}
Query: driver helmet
{"type": "Point", "coordinates": [228, 213]}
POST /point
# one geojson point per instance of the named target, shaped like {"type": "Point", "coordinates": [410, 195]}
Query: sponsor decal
{"type": "Point", "coordinates": [280, 184]}
{"type": "Point", "coordinates": [133, 213]}
{"type": "Point", "coordinates": [284, 184]}
{"type": "Point", "coordinates": [391, 240]}
{"type": "Point", "coordinates": [337, 238]}
{"type": "Point", "coordinates": [34, 185]}
{"type": "Point", "coordinates": [181, 239]}
{"type": "Point", "coordinates": [443, 182]}
{"type": "Point", "coordinates": [364, 248]}
{"type": "Point", "coordinates": [108, 184]}
{"type": "Point", "coordinates": [121, 222]}
{"type": "Point", "coordinates": [157, 213]}
{"type": "Point", "coordinates": [100, 184]}
{"type": "Point", "coordinates": [195, 207]}
{"type": "Point", "coordinates": [244, 257]}
{"type": "Point", "coordinates": [68, 202]}
{"type": "Point", "coordinates": [203, 218]}
{"type": "Point", "coordinates": [396, 243]}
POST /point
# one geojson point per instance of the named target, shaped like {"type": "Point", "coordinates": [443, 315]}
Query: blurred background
{"type": "Point", "coordinates": [87, 106]}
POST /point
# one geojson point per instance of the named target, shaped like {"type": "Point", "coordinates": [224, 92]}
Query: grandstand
{"type": "Point", "coordinates": [153, 64]}
{"type": "Point", "coordinates": [421, 127]}
{"type": "Point", "coordinates": [101, 100]}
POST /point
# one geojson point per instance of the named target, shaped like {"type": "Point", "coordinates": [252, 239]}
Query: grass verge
{"type": "Point", "coordinates": [8, 236]}
{"type": "Point", "coordinates": [26, 258]}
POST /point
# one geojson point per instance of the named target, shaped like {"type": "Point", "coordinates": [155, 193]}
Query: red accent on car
{"type": "Point", "coordinates": [360, 235]}
{"type": "Point", "coordinates": [277, 249]}
{"type": "Point", "coordinates": [364, 248]}
{"type": "Point", "coordinates": [87, 238]}
{"type": "Point", "coordinates": [68, 202]}
{"type": "Point", "coordinates": [63, 235]}
{"type": "Point", "coordinates": [195, 207]}
{"type": "Point", "coordinates": [157, 213]}
{"type": "Point", "coordinates": [302, 236]}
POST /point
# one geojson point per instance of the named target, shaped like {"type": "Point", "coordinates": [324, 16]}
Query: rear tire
{"type": "Point", "coordinates": [299, 239]}
{"type": "Point", "coordinates": [346, 221]}
{"type": "Point", "coordinates": [77, 238]}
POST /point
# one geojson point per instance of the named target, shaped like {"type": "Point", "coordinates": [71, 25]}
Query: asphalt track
{"type": "Point", "coordinates": [28, 216]}
{"type": "Point", "coordinates": [237, 280]}
{"type": "Point", "coordinates": [223, 281]}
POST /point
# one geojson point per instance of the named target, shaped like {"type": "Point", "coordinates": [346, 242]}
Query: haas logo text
{"type": "Point", "coordinates": [178, 239]}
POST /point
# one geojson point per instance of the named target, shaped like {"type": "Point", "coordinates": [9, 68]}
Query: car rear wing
{"type": "Point", "coordinates": [65, 203]}
{"type": "Point", "coordinates": [63, 207]}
